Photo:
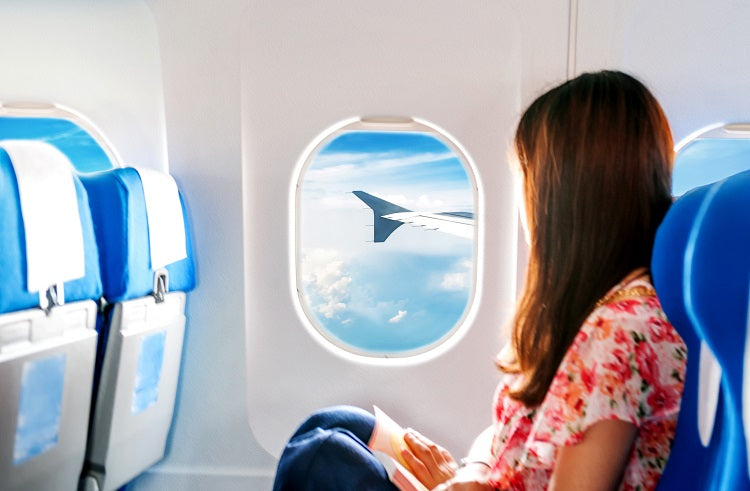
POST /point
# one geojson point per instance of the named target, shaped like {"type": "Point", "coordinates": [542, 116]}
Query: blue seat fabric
{"type": "Point", "coordinates": [119, 215]}
{"type": "Point", "coordinates": [14, 295]}
{"type": "Point", "coordinates": [701, 271]}
{"type": "Point", "coordinates": [667, 270]}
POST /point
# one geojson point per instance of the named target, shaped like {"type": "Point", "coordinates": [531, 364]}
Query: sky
{"type": "Point", "coordinates": [402, 294]}
{"type": "Point", "coordinates": [708, 160]}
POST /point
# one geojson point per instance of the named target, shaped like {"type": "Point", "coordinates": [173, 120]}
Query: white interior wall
{"type": "Point", "coordinates": [211, 445]}
{"type": "Point", "coordinates": [100, 59]}
{"type": "Point", "coordinates": [110, 59]}
{"type": "Point", "coordinates": [307, 67]}
{"type": "Point", "coordinates": [203, 47]}
{"type": "Point", "coordinates": [692, 54]}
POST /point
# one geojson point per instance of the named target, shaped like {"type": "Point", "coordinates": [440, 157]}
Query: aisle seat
{"type": "Point", "coordinates": [701, 271]}
{"type": "Point", "coordinates": [146, 262]}
{"type": "Point", "coordinates": [47, 335]}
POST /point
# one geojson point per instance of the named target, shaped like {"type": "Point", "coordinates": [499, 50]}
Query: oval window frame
{"type": "Point", "coordinates": [31, 109]}
{"type": "Point", "coordinates": [320, 334]}
{"type": "Point", "coordinates": [716, 131]}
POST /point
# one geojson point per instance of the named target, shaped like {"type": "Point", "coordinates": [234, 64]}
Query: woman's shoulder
{"type": "Point", "coordinates": [626, 362]}
{"type": "Point", "coordinates": [630, 316]}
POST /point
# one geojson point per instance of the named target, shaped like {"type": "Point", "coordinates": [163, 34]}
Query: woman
{"type": "Point", "coordinates": [593, 372]}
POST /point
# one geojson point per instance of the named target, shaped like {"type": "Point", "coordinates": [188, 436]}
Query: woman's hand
{"type": "Point", "coordinates": [429, 462]}
{"type": "Point", "coordinates": [455, 485]}
{"type": "Point", "coordinates": [473, 477]}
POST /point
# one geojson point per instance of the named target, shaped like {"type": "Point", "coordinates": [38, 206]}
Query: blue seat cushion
{"type": "Point", "coordinates": [670, 280]}
{"type": "Point", "coordinates": [118, 209]}
{"type": "Point", "coordinates": [721, 273]}
{"type": "Point", "coordinates": [13, 283]}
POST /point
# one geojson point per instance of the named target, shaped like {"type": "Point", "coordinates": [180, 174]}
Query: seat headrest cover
{"type": "Point", "coordinates": [118, 208]}
{"type": "Point", "coordinates": [166, 230]}
{"type": "Point", "coordinates": [14, 291]}
{"type": "Point", "coordinates": [49, 206]}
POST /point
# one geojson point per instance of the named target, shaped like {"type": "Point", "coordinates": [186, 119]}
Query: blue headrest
{"type": "Point", "coordinates": [13, 292]}
{"type": "Point", "coordinates": [118, 209]}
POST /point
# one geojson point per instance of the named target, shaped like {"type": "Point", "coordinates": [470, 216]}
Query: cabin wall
{"type": "Point", "coordinates": [234, 141]}
{"type": "Point", "coordinates": [248, 84]}
{"type": "Point", "coordinates": [235, 137]}
{"type": "Point", "coordinates": [692, 54]}
{"type": "Point", "coordinates": [309, 67]}
{"type": "Point", "coordinates": [234, 90]}
{"type": "Point", "coordinates": [211, 445]}
{"type": "Point", "coordinates": [99, 58]}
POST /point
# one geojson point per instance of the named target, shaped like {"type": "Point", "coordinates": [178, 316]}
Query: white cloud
{"type": "Point", "coordinates": [455, 281]}
{"type": "Point", "coordinates": [449, 200]}
{"type": "Point", "coordinates": [354, 167]}
{"type": "Point", "coordinates": [324, 273]}
{"type": "Point", "coordinates": [331, 308]}
{"type": "Point", "coordinates": [397, 318]}
{"type": "Point", "coordinates": [334, 173]}
{"type": "Point", "coordinates": [424, 202]}
{"type": "Point", "coordinates": [458, 280]}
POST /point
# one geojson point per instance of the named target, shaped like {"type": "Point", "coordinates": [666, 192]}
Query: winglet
{"type": "Point", "coordinates": [380, 207]}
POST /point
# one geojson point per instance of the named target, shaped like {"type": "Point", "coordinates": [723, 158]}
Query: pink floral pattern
{"type": "Point", "coordinates": [628, 363]}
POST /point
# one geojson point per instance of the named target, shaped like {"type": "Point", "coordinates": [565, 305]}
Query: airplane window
{"type": "Point", "coordinates": [386, 237]}
{"type": "Point", "coordinates": [73, 135]}
{"type": "Point", "coordinates": [711, 156]}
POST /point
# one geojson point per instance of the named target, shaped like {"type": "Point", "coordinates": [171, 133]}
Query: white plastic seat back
{"type": "Point", "coordinates": [141, 336]}
{"type": "Point", "coordinates": [47, 335]}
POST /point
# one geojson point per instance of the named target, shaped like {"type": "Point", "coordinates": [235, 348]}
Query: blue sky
{"type": "Point", "coordinates": [408, 291]}
{"type": "Point", "coordinates": [709, 160]}
{"type": "Point", "coordinates": [83, 151]}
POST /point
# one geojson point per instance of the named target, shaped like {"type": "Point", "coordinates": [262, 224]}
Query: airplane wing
{"type": "Point", "coordinates": [387, 217]}
{"type": "Point", "coordinates": [450, 223]}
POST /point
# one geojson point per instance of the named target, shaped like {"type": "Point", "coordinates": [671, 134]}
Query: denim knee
{"type": "Point", "coordinates": [353, 419]}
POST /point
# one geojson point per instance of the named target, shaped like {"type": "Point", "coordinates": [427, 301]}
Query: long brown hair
{"type": "Point", "coordinates": [596, 157]}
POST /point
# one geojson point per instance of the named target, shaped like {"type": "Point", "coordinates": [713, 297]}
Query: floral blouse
{"type": "Point", "coordinates": [628, 363]}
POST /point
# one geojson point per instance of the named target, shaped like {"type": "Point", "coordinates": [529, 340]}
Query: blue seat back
{"type": "Point", "coordinates": [46, 356]}
{"type": "Point", "coordinates": [119, 214]}
{"type": "Point", "coordinates": [140, 336]}
{"type": "Point", "coordinates": [701, 272]}
{"type": "Point", "coordinates": [13, 292]}
{"type": "Point", "coordinates": [719, 310]}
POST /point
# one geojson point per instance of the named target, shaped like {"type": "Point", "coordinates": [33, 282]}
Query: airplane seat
{"type": "Point", "coordinates": [701, 271]}
{"type": "Point", "coordinates": [49, 282]}
{"type": "Point", "coordinates": [147, 266]}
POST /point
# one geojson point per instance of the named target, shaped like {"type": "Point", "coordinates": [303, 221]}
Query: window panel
{"type": "Point", "coordinates": [388, 270]}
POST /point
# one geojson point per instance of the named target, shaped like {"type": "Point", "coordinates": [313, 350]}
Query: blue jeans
{"type": "Point", "coordinates": [329, 452]}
